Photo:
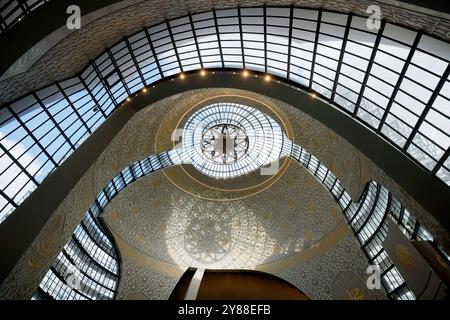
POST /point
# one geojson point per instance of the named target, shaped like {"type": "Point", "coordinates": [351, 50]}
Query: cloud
{"type": "Point", "coordinates": [21, 184]}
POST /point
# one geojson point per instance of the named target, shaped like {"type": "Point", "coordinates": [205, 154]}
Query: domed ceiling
{"type": "Point", "coordinates": [178, 217]}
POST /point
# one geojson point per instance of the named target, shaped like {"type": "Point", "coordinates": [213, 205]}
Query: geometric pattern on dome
{"type": "Point", "coordinates": [368, 221]}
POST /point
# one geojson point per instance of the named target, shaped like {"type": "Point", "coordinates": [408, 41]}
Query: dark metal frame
{"type": "Point", "coordinates": [441, 83]}
{"type": "Point", "coordinates": [333, 90]}
{"type": "Point", "coordinates": [369, 67]}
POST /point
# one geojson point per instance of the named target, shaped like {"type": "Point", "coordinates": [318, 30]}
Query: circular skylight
{"type": "Point", "coordinates": [226, 140]}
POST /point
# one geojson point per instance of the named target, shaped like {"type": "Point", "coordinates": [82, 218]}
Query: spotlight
{"type": "Point", "coordinates": [144, 90]}
{"type": "Point", "coordinates": [203, 73]}
{"type": "Point", "coordinates": [128, 99]}
{"type": "Point", "coordinates": [182, 76]}
{"type": "Point", "coordinates": [245, 73]}
{"type": "Point", "coordinates": [267, 77]}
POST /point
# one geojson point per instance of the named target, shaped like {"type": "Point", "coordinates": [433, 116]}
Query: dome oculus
{"type": "Point", "coordinates": [226, 140]}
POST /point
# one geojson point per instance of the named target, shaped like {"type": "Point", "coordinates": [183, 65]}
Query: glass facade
{"type": "Point", "coordinates": [13, 11]}
{"type": "Point", "coordinates": [367, 218]}
{"type": "Point", "coordinates": [88, 266]}
{"type": "Point", "coordinates": [394, 80]}
{"type": "Point", "coordinates": [38, 132]}
{"type": "Point", "coordinates": [86, 269]}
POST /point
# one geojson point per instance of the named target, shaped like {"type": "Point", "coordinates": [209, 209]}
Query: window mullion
{"type": "Point", "coordinates": [427, 107]}
{"type": "Point", "coordinates": [369, 67]}
{"type": "Point", "coordinates": [341, 56]}
{"type": "Point", "coordinates": [399, 81]}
